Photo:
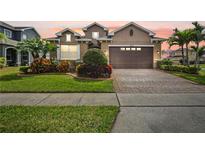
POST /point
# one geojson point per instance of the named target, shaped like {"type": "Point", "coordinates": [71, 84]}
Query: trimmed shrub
{"type": "Point", "coordinates": [95, 57]}
{"type": "Point", "coordinates": [24, 69]}
{"type": "Point", "coordinates": [164, 62]}
{"type": "Point", "coordinates": [63, 66]}
{"type": "Point", "coordinates": [42, 65]}
{"type": "Point", "coordinates": [179, 68]}
{"type": "Point", "coordinates": [95, 65]}
{"type": "Point", "coordinates": [85, 70]}
{"type": "Point", "coordinates": [2, 62]}
{"type": "Point", "coordinates": [81, 70]}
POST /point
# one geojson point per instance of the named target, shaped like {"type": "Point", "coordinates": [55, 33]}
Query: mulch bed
{"type": "Point", "coordinates": [74, 75]}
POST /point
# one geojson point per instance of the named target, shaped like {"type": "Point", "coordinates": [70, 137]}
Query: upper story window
{"type": "Point", "coordinates": [8, 33]}
{"type": "Point", "coordinates": [95, 35]}
{"type": "Point", "coordinates": [24, 36]}
{"type": "Point", "coordinates": [68, 37]}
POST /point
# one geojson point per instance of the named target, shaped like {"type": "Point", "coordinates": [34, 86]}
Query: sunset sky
{"type": "Point", "coordinates": [48, 28]}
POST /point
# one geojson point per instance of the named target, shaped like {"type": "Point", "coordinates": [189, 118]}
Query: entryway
{"type": "Point", "coordinates": [11, 56]}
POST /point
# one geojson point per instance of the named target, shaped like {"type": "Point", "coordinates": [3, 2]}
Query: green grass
{"type": "Point", "coordinates": [200, 78]}
{"type": "Point", "coordinates": [16, 119]}
{"type": "Point", "coordinates": [10, 82]}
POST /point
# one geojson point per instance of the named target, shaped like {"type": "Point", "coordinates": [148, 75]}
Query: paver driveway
{"type": "Point", "coordinates": [154, 101]}
{"type": "Point", "coordinates": [152, 81]}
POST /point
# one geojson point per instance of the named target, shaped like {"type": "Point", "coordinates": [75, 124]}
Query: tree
{"type": "Point", "coordinates": [200, 51]}
{"type": "Point", "coordinates": [177, 38]}
{"type": "Point", "coordinates": [188, 37]}
{"type": "Point", "coordinates": [48, 47]}
{"type": "Point", "coordinates": [36, 47]}
{"type": "Point", "coordinates": [198, 37]}
{"type": "Point", "coordinates": [2, 36]}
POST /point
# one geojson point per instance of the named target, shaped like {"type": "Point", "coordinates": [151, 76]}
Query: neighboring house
{"type": "Point", "coordinates": [176, 55]}
{"type": "Point", "coordinates": [8, 46]}
{"type": "Point", "coordinates": [130, 46]}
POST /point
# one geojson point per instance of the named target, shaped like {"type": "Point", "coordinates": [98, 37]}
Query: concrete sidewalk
{"type": "Point", "coordinates": [43, 99]}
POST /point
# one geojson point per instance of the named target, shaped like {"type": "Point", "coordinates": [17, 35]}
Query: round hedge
{"type": "Point", "coordinates": [94, 57]}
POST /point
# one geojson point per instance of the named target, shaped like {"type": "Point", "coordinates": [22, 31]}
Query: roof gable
{"type": "Point", "coordinates": [134, 24]}
{"type": "Point", "coordinates": [18, 28]}
{"type": "Point", "coordinates": [95, 23]}
{"type": "Point", "coordinates": [67, 29]}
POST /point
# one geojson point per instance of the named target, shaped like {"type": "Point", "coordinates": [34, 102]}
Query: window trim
{"type": "Point", "coordinates": [127, 49]}
{"type": "Point", "coordinates": [67, 37]}
{"type": "Point", "coordinates": [23, 36]}
{"type": "Point", "coordinates": [68, 51]}
{"type": "Point", "coordinates": [95, 33]}
{"type": "Point", "coordinates": [139, 49]}
{"type": "Point", "coordinates": [122, 49]}
{"type": "Point", "coordinates": [8, 31]}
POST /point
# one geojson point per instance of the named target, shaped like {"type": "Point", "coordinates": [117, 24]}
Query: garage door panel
{"type": "Point", "coordinates": [131, 59]}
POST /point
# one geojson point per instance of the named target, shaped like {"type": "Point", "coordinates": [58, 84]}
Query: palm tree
{"type": "Point", "coordinates": [34, 46]}
{"type": "Point", "coordinates": [199, 53]}
{"type": "Point", "coordinates": [48, 48]}
{"type": "Point", "coordinates": [178, 39]}
{"type": "Point", "coordinates": [198, 37]}
{"type": "Point", "coordinates": [188, 37]}
{"type": "Point", "coordinates": [2, 36]}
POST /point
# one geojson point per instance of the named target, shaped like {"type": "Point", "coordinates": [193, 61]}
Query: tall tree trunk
{"type": "Point", "coordinates": [197, 61]}
{"type": "Point", "coordinates": [197, 56]}
{"type": "Point", "coordinates": [187, 54]}
{"type": "Point", "coordinates": [183, 59]}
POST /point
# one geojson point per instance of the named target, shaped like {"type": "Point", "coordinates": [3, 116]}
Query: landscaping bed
{"type": "Point", "coordinates": [187, 72]}
{"type": "Point", "coordinates": [54, 82]}
{"type": "Point", "coordinates": [200, 79]}
{"type": "Point", "coordinates": [25, 119]}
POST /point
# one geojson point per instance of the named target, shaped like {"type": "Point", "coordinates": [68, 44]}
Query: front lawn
{"type": "Point", "coordinates": [195, 78]}
{"type": "Point", "coordinates": [10, 82]}
{"type": "Point", "coordinates": [16, 119]}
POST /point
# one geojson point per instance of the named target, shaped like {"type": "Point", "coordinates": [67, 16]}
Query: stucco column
{"type": "Point", "coordinates": [18, 58]}
{"type": "Point", "coordinates": [48, 55]}
{"type": "Point", "coordinates": [157, 53]}
{"type": "Point", "coordinates": [5, 55]}
{"type": "Point", "coordinates": [29, 58]}
{"type": "Point", "coordinates": [58, 53]}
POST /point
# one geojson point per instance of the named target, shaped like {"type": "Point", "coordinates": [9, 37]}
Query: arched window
{"type": "Point", "coordinates": [131, 32]}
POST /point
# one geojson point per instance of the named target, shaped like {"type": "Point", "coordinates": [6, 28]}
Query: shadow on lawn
{"type": "Point", "coordinates": [9, 77]}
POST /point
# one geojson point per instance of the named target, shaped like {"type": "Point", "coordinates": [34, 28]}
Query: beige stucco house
{"type": "Point", "coordinates": [129, 46]}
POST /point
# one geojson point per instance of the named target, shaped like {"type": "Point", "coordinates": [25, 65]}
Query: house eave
{"type": "Point", "coordinates": [132, 23]}
{"type": "Point", "coordinates": [95, 23]}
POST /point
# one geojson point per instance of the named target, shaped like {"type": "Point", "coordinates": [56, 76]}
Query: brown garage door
{"type": "Point", "coordinates": [131, 57]}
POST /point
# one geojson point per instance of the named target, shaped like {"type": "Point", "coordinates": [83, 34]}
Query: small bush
{"type": "Point", "coordinates": [179, 68]}
{"type": "Point", "coordinates": [63, 66]}
{"type": "Point", "coordinates": [164, 62]}
{"type": "Point", "coordinates": [85, 70]}
{"type": "Point", "coordinates": [2, 62]}
{"type": "Point", "coordinates": [40, 65]}
{"type": "Point", "coordinates": [24, 69]}
{"type": "Point", "coordinates": [95, 57]}
{"type": "Point", "coordinates": [43, 65]}
{"type": "Point", "coordinates": [81, 70]}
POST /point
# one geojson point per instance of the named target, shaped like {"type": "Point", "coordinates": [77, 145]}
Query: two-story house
{"type": "Point", "coordinates": [129, 46]}
{"type": "Point", "coordinates": [8, 46]}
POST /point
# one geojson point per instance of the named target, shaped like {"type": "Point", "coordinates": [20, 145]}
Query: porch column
{"type": "Point", "coordinates": [48, 55]}
{"type": "Point", "coordinates": [5, 55]}
{"type": "Point", "coordinates": [18, 58]}
{"type": "Point", "coordinates": [29, 58]}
